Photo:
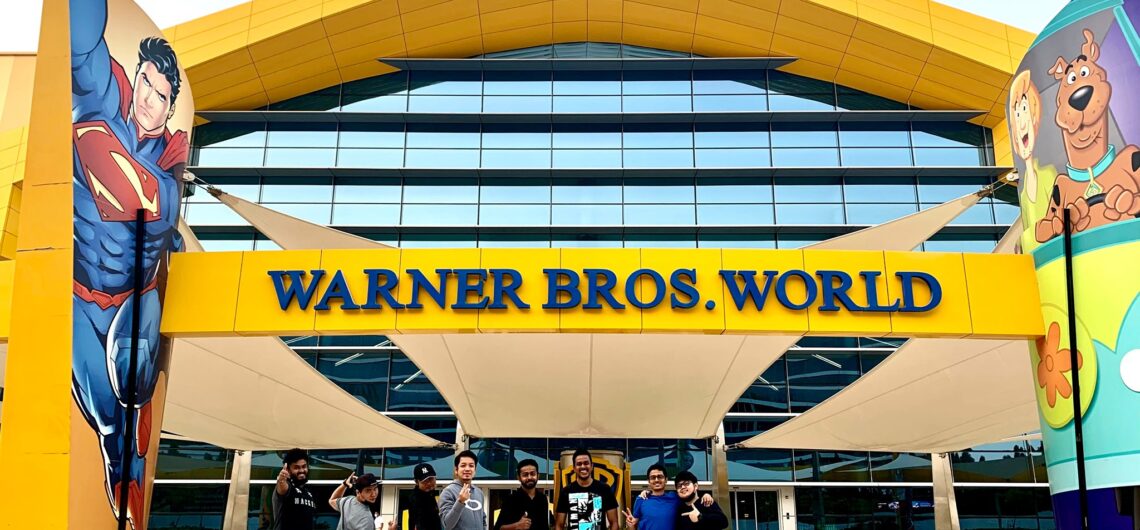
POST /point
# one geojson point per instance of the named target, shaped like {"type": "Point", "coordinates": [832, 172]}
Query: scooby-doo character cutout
{"type": "Point", "coordinates": [1102, 186]}
{"type": "Point", "coordinates": [1025, 107]}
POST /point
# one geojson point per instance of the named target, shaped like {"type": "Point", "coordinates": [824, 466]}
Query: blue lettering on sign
{"type": "Point", "coordinates": [794, 289]}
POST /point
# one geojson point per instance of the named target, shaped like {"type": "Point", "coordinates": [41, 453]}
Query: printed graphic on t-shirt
{"type": "Point", "coordinates": [585, 511]}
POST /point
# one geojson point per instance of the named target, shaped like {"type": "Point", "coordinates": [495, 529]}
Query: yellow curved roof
{"type": "Point", "coordinates": [918, 51]}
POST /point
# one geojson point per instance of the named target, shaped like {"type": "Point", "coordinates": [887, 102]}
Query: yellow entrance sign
{"type": "Point", "coordinates": [389, 291]}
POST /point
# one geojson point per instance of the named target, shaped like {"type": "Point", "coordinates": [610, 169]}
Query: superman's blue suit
{"type": "Point", "coordinates": [116, 171]}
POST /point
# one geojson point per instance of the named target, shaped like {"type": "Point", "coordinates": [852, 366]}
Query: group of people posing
{"type": "Point", "coordinates": [584, 504]}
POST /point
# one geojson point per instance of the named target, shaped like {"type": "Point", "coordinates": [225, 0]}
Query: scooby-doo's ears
{"type": "Point", "coordinates": [1090, 48]}
{"type": "Point", "coordinates": [1058, 69]}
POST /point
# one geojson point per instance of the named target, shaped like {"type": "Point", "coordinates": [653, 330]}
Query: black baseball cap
{"type": "Point", "coordinates": [363, 481]}
{"type": "Point", "coordinates": [423, 471]}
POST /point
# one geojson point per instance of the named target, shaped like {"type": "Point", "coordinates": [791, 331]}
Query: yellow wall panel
{"type": "Point", "coordinates": [309, 35]}
{"type": "Point", "coordinates": [303, 73]}
{"type": "Point", "coordinates": [962, 82]}
{"type": "Point", "coordinates": [250, 91]}
{"type": "Point", "coordinates": [366, 14]}
{"type": "Point", "coordinates": [811, 69]}
{"type": "Point", "coordinates": [730, 32]}
{"type": "Point", "coordinates": [313, 52]}
{"type": "Point", "coordinates": [569, 31]}
{"type": "Point", "coordinates": [455, 30]}
{"type": "Point", "coordinates": [906, 24]}
{"type": "Point", "coordinates": [767, 5]}
{"type": "Point", "coordinates": [489, 6]}
{"type": "Point", "coordinates": [678, 5]}
{"type": "Point", "coordinates": [952, 315]}
{"type": "Point", "coordinates": [316, 81]}
{"type": "Point", "coordinates": [622, 262]}
{"type": "Point", "coordinates": [569, 10]}
{"type": "Point", "coordinates": [8, 242]}
{"type": "Point", "coordinates": [257, 309]}
{"type": "Point", "coordinates": [431, 317]}
{"type": "Point", "coordinates": [953, 20]}
{"type": "Point", "coordinates": [818, 15]}
{"type": "Point", "coordinates": [369, 53]}
{"type": "Point", "coordinates": [352, 264]}
{"type": "Point", "coordinates": [1019, 41]}
{"type": "Point", "coordinates": [518, 18]}
{"type": "Point", "coordinates": [464, 47]}
{"type": "Point", "coordinates": [807, 32]}
{"type": "Point", "coordinates": [700, 318]}
{"type": "Point", "coordinates": [918, 49]}
{"type": "Point", "coordinates": [203, 311]}
{"type": "Point", "coordinates": [604, 10]}
{"type": "Point", "coordinates": [771, 317]}
{"type": "Point", "coordinates": [414, 5]}
{"type": "Point", "coordinates": [238, 14]}
{"type": "Point", "coordinates": [45, 233]}
{"type": "Point", "coordinates": [603, 31]}
{"type": "Point", "coordinates": [810, 51]}
{"type": "Point", "coordinates": [533, 291]}
{"type": "Point", "coordinates": [221, 67]}
{"type": "Point", "coordinates": [926, 101]}
{"type": "Point", "coordinates": [841, 322]}
{"type": "Point", "coordinates": [270, 24]}
{"type": "Point", "coordinates": [241, 75]}
{"type": "Point", "coordinates": [884, 58]}
{"type": "Point", "coordinates": [365, 69]}
{"type": "Point", "coordinates": [7, 277]}
{"type": "Point", "coordinates": [435, 15]}
{"type": "Point", "coordinates": [988, 58]}
{"type": "Point", "coordinates": [957, 98]}
{"type": "Point", "coordinates": [655, 37]}
{"type": "Point", "coordinates": [893, 85]}
{"type": "Point", "coordinates": [1002, 301]}
{"type": "Point", "coordinates": [737, 13]}
{"type": "Point", "coordinates": [209, 48]}
{"type": "Point", "coordinates": [660, 17]}
{"type": "Point", "coordinates": [713, 47]}
{"type": "Point", "coordinates": [982, 73]}
{"type": "Point", "coordinates": [204, 44]}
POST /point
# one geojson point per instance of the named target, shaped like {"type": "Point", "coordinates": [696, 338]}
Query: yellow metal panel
{"type": "Point", "coordinates": [249, 95]}
{"type": "Point", "coordinates": [812, 69]}
{"type": "Point", "coordinates": [209, 48]}
{"type": "Point", "coordinates": [883, 57]}
{"type": "Point", "coordinates": [603, 31]}
{"type": "Point", "coordinates": [988, 58]}
{"type": "Point", "coordinates": [772, 317]}
{"type": "Point", "coordinates": [700, 318]}
{"type": "Point", "coordinates": [455, 30]}
{"type": "Point", "coordinates": [435, 15]}
{"type": "Point", "coordinates": [982, 73]}
{"type": "Point", "coordinates": [7, 277]}
{"type": "Point", "coordinates": [316, 82]}
{"type": "Point", "coordinates": [808, 51]}
{"type": "Point", "coordinates": [431, 317]}
{"type": "Point", "coordinates": [818, 15]}
{"type": "Point", "coordinates": [660, 17]}
{"type": "Point", "coordinates": [843, 322]}
{"type": "Point", "coordinates": [892, 86]}
{"type": "Point", "coordinates": [849, 7]}
{"type": "Point", "coordinates": [731, 11]}
{"type": "Point", "coordinates": [413, 5]}
{"type": "Point", "coordinates": [312, 34]}
{"type": "Point", "coordinates": [1004, 299]}
{"type": "Point", "coordinates": [257, 309]}
{"type": "Point", "coordinates": [46, 205]}
{"type": "Point", "coordinates": [205, 44]}
{"type": "Point", "coordinates": [961, 81]}
{"type": "Point", "coordinates": [11, 221]}
{"type": "Point", "coordinates": [656, 37]}
{"type": "Point", "coordinates": [569, 31]}
{"type": "Point", "coordinates": [533, 291]}
{"type": "Point", "coordinates": [199, 310]}
{"type": "Point", "coordinates": [622, 262]}
{"type": "Point", "coordinates": [899, 21]}
{"type": "Point", "coordinates": [955, 98]}
{"type": "Point", "coordinates": [879, 36]}
{"type": "Point", "coordinates": [489, 6]}
{"type": "Point", "coordinates": [352, 264]}
{"type": "Point", "coordinates": [807, 32]}
{"type": "Point", "coordinates": [569, 10]}
{"type": "Point", "coordinates": [604, 10]}
{"type": "Point", "coordinates": [8, 245]}
{"type": "Point", "coordinates": [730, 35]}
{"type": "Point", "coordinates": [679, 5]}
{"type": "Point", "coordinates": [242, 75]}
{"type": "Point", "coordinates": [711, 47]}
{"type": "Point", "coordinates": [459, 48]}
{"type": "Point", "coordinates": [314, 52]}
{"type": "Point", "coordinates": [368, 53]}
{"type": "Point", "coordinates": [518, 18]}
{"type": "Point", "coordinates": [223, 66]}
{"type": "Point", "coordinates": [273, 22]}
{"type": "Point", "coordinates": [210, 23]}
{"type": "Point", "coordinates": [952, 316]}
{"type": "Point", "coordinates": [1019, 41]}
{"type": "Point", "coordinates": [300, 73]}
{"type": "Point", "coordinates": [339, 20]}
{"type": "Point", "coordinates": [365, 69]}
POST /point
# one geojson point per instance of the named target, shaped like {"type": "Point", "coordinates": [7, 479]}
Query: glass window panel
{"type": "Point", "coordinates": [514, 241]}
{"type": "Point", "coordinates": [441, 191]}
{"type": "Point", "coordinates": [879, 189]}
{"type": "Point", "coordinates": [653, 82]}
{"type": "Point", "coordinates": [876, 156]}
{"type": "Point", "coordinates": [760, 157]}
{"type": "Point", "coordinates": [941, 156]}
{"type": "Point", "coordinates": [978, 214]}
{"type": "Point", "coordinates": [947, 135]}
{"type": "Point", "coordinates": [439, 214]}
{"type": "Point", "coordinates": [756, 464]}
{"type": "Point", "coordinates": [832, 466]}
{"type": "Point", "coordinates": [215, 214]}
{"type": "Point", "coordinates": [587, 191]}
{"type": "Point", "coordinates": [658, 136]}
{"type": "Point", "coordinates": [735, 214]}
{"type": "Point", "coordinates": [785, 83]}
{"type": "Point", "coordinates": [1005, 214]}
{"type": "Point", "coordinates": [514, 215]}
{"type": "Point", "coordinates": [778, 102]}
{"type": "Point", "coordinates": [803, 135]}
{"type": "Point", "coordinates": [366, 214]}
{"type": "Point", "coordinates": [230, 157]}
{"type": "Point", "coordinates": [646, 214]}
{"type": "Point", "coordinates": [367, 190]}
{"type": "Point", "coordinates": [593, 214]}
{"type": "Point", "coordinates": [730, 103]}
{"type": "Point", "coordinates": [873, 214]}
{"type": "Point", "coordinates": [993, 466]}
{"type": "Point", "coordinates": [656, 240]}
{"type": "Point", "coordinates": [657, 103]}
{"type": "Point", "coordinates": [436, 136]}
{"type": "Point", "coordinates": [438, 240]}
{"type": "Point", "coordinates": [281, 190]}
{"type": "Point", "coordinates": [516, 83]}
{"type": "Point", "coordinates": [191, 460]}
{"type": "Point", "coordinates": [314, 213]}
{"type": "Point", "coordinates": [587, 136]}
{"type": "Point", "coordinates": [854, 100]}
{"type": "Point", "coordinates": [676, 455]}
{"type": "Point", "coordinates": [365, 376]}
{"type": "Point", "coordinates": [300, 157]}
{"type": "Point", "coordinates": [799, 240]}
{"type": "Point", "coordinates": [580, 83]}
{"type": "Point", "coordinates": [869, 360]}
{"type": "Point", "coordinates": [450, 82]}
{"type": "Point", "coordinates": [729, 82]}
{"type": "Point", "coordinates": [734, 190]}
{"type": "Point", "coordinates": [371, 135]}
{"type": "Point", "coordinates": [661, 191]}
{"type": "Point", "coordinates": [587, 158]}
{"type": "Point", "coordinates": [959, 243]}
{"type": "Point", "coordinates": [808, 190]}
{"type": "Point", "coordinates": [388, 103]}
{"type": "Point", "coordinates": [586, 241]}
{"type": "Point", "coordinates": [943, 189]}
{"type": "Point", "coordinates": [901, 467]}
{"type": "Point", "coordinates": [223, 134]}
{"type": "Point", "coordinates": [516, 158]}
{"type": "Point", "coordinates": [514, 190]}
{"type": "Point", "coordinates": [587, 104]}
{"type": "Point", "coordinates": [707, 240]}
{"type": "Point", "coordinates": [874, 135]}
{"type": "Point", "coordinates": [634, 158]}
{"type": "Point", "coordinates": [763, 397]}
{"type": "Point", "coordinates": [442, 158]}
{"type": "Point", "coordinates": [822, 368]}
{"type": "Point", "coordinates": [516, 137]}
{"type": "Point", "coordinates": [470, 104]}
{"type": "Point", "coordinates": [325, 99]}
{"type": "Point", "coordinates": [805, 157]}
{"type": "Point", "coordinates": [302, 135]}
{"type": "Point", "coordinates": [265, 244]}
{"type": "Point", "coordinates": [179, 506]}
{"type": "Point", "coordinates": [712, 135]}
{"type": "Point", "coordinates": [516, 104]}
{"type": "Point", "coordinates": [370, 158]}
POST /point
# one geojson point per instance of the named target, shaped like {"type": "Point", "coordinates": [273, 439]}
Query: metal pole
{"type": "Point", "coordinates": [132, 367]}
{"type": "Point", "coordinates": [1082, 486]}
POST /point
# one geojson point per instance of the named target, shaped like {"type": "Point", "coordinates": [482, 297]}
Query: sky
{"type": "Point", "coordinates": [19, 25]}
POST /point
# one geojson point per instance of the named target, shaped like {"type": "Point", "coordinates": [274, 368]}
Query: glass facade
{"type": "Point", "coordinates": [655, 149]}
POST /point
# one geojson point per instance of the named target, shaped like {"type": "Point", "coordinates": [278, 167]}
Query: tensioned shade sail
{"type": "Point", "coordinates": [931, 395]}
{"type": "Point", "coordinates": [599, 385]}
{"type": "Point", "coordinates": [289, 232]}
{"type": "Point", "coordinates": [254, 393]}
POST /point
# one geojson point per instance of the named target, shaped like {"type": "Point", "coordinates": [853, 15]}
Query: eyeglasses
{"type": "Point", "coordinates": [656, 477]}
{"type": "Point", "coordinates": [684, 484]}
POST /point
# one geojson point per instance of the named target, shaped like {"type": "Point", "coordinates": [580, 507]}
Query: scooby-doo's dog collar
{"type": "Point", "coordinates": [1085, 175]}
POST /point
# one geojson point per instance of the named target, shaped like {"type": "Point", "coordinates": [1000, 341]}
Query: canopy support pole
{"type": "Point", "coordinates": [945, 503]}
{"type": "Point", "coordinates": [237, 498]}
{"type": "Point", "coordinates": [720, 470]}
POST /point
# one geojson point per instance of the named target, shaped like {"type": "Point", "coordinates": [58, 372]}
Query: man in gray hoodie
{"type": "Point", "coordinates": [461, 504]}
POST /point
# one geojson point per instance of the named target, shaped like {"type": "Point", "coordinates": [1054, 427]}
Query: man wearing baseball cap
{"type": "Point", "coordinates": [693, 515]}
{"type": "Point", "coordinates": [423, 511]}
{"type": "Point", "coordinates": [355, 510]}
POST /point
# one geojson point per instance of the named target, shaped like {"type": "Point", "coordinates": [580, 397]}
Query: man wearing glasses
{"type": "Point", "coordinates": [694, 515]}
{"type": "Point", "coordinates": [656, 509]}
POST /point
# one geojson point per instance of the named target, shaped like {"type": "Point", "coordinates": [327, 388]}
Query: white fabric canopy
{"type": "Point", "coordinates": [255, 393]}
{"type": "Point", "coordinates": [289, 232]}
{"type": "Point", "coordinates": [904, 233]}
{"type": "Point", "coordinates": [931, 395]}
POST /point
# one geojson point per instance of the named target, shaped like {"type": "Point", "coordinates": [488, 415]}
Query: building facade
{"type": "Point", "coordinates": [600, 144]}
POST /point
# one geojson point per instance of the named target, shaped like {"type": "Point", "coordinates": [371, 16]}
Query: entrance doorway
{"type": "Point", "coordinates": [760, 510]}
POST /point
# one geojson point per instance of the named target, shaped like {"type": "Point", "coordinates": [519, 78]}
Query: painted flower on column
{"type": "Point", "coordinates": [1052, 365]}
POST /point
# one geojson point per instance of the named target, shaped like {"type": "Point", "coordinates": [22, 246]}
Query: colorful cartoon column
{"type": "Point", "coordinates": [108, 143]}
{"type": "Point", "coordinates": [1074, 122]}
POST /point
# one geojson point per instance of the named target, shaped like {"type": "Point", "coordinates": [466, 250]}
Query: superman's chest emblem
{"type": "Point", "coordinates": [119, 185]}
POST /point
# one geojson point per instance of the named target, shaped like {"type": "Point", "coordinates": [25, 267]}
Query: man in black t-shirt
{"type": "Point", "coordinates": [293, 506]}
{"type": "Point", "coordinates": [423, 510]}
{"type": "Point", "coordinates": [586, 504]}
{"type": "Point", "coordinates": [526, 508]}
